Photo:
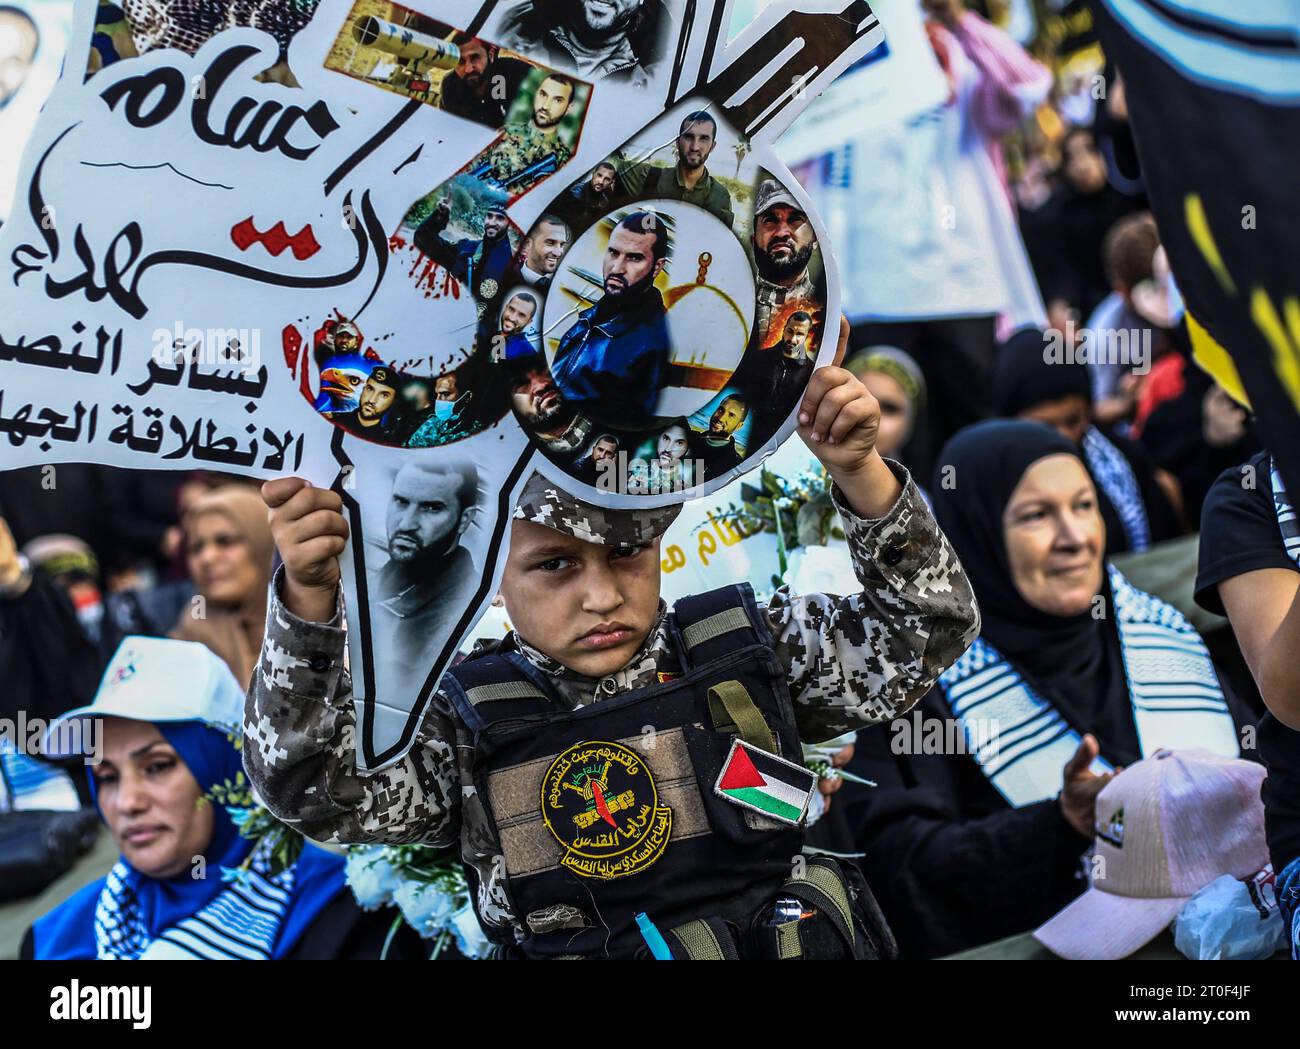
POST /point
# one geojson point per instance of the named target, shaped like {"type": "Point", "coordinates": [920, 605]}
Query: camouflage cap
{"type": "Point", "coordinates": [770, 194]}
{"type": "Point", "coordinates": [543, 502]}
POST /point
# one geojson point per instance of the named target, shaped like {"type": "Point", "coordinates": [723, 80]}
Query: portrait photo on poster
{"type": "Point", "coordinates": [685, 311]}
{"type": "Point", "coordinates": [419, 57]}
{"type": "Point", "coordinates": [425, 529]}
{"type": "Point", "coordinates": [622, 41]}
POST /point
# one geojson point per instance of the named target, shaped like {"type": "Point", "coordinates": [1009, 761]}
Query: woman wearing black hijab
{"type": "Point", "coordinates": [984, 807]}
{"type": "Point", "coordinates": [1065, 236]}
{"type": "Point", "coordinates": [1034, 382]}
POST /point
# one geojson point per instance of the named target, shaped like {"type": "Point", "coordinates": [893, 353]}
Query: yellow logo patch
{"type": "Point", "coordinates": [600, 801]}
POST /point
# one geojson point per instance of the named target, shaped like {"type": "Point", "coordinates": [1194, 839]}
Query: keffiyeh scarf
{"type": "Point", "coordinates": [1022, 742]}
{"type": "Point", "coordinates": [241, 924]}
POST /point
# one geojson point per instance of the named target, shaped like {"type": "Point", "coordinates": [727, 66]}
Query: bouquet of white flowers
{"type": "Point", "coordinates": [427, 885]}
{"type": "Point", "coordinates": [798, 510]}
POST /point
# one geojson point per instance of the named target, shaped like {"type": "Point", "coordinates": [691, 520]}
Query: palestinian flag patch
{"type": "Point", "coordinates": [755, 779]}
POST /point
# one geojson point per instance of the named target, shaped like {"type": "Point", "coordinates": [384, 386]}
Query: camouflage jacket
{"type": "Point", "coordinates": [771, 298]}
{"type": "Point", "coordinates": [851, 662]}
{"type": "Point", "coordinates": [522, 145]}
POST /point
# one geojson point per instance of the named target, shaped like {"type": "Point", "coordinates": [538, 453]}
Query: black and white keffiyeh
{"type": "Point", "coordinates": [1022, 742]}
{"type": "Point", "coordinates": [1287, 522]}
{"type": "Point", "coordinates": [1112, 471]}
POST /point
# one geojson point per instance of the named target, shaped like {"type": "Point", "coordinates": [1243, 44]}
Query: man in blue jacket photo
{"type": "Point", "coordinates": [611, 363]}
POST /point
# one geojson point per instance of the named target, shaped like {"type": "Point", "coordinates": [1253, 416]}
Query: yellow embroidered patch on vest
{"type": "Point", "coordinates": [600, 801]}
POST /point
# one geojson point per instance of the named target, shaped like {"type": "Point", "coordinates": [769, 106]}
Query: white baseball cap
{"type": "Point", "coordinates": [157, 679]}
{"type": "Point", "coordinates": [1166, 828]}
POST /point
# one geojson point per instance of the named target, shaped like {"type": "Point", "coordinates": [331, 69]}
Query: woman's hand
{"type": "Point", "coordinates": [1080, 787]}
{"type": "Point", "coordinates": [828, 785]}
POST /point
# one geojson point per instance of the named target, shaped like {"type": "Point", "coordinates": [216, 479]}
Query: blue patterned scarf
{"type": "Point", "coordinates": [1113, 472]}
{"type": "Point", "coordinates": [27, 783]}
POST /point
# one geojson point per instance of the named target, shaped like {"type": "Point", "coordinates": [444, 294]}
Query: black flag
{"type": "Point", "coordinates": [1213, 92]}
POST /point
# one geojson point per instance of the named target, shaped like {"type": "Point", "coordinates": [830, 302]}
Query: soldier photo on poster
{"type": "Point", "coordinates": [679, 330]}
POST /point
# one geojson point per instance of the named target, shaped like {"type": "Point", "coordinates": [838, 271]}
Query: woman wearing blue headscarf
{"type": "Point", "coordinates": [188, 885]}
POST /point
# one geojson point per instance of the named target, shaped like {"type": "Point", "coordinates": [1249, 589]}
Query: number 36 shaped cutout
{"type": "Point", "coordinates": [415, 257]}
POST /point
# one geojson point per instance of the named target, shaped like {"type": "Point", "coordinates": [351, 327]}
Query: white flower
{"type": "Point", "coordinates": [426, 909]}
{"type": "Point", "coordinates": [816, 808]}
{"type": "Point", "coordinates": [820, 570]}
{"type": "Point", "coordinates": [371, 878]}
{"type": "Point", "coordinates": [469, 934]}
{"type": "Point", "coordinates": [826, 751]}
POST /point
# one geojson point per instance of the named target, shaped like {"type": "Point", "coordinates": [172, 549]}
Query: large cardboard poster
{"type": "Point", "coordinates": [413, 257]}
{"type": "Point", "coordinates": [33, 39]}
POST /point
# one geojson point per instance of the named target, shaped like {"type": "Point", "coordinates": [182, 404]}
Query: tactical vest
{"type": "Point", "coordinates": [683, 801]}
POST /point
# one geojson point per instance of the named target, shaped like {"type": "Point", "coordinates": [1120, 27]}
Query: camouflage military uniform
{"type": "Point", "coordinates": [769, 298]}
{"type": "Point", "coordinates": [851, 662]}
{"type": "Point", "coordinates": [524, 144]}
{"type": "Point", "coordinates": [574, 436]}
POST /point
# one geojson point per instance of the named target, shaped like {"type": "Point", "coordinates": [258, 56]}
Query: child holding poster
{"type": "Point", "coordinates": [624, 779]}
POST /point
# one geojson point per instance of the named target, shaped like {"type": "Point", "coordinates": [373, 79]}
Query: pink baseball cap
{"type": "Point", "coordinates": [1166, 827]}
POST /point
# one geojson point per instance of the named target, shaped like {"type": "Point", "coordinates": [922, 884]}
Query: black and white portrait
{"type": "Point", "coordinates": [418, 589]}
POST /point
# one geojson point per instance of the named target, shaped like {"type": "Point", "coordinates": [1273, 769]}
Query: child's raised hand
{"type": "Point", "coordinates": [310, 532]}
{"type": "Point", "coordinates": [838, 417]}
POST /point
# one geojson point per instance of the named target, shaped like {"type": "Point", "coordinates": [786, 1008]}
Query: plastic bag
{"type": "Point", "coordinates": [1231, 919]}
